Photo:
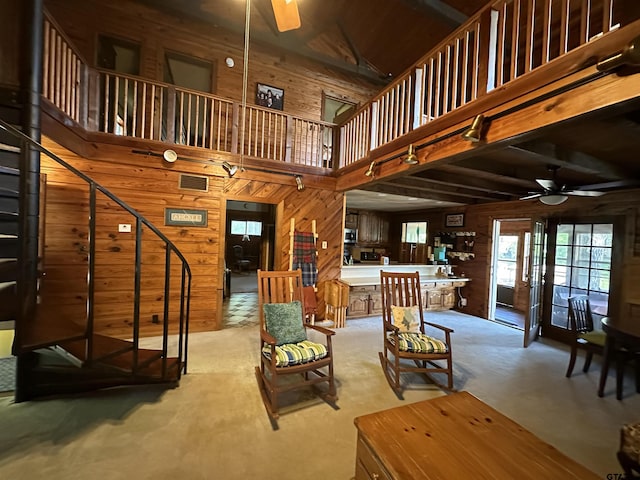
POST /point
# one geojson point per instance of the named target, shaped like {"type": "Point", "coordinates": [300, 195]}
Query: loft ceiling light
{"type": "Point", "coordinates": [411, 158]}
{"type": "Point", "coordinates": [474, 133]}
{"type": "Point", "coordinates": [553, 199]}
{"type": "Point", "coordinates": [230, 169]}
{"type": "Point", "coordinates": [299, 183]}
{"type": "Point", "coordinates": [169, 156]}
{"type": "Point", "coordinates": [370, 171]}
{"type": "Point", "coordinates": [630, 55]}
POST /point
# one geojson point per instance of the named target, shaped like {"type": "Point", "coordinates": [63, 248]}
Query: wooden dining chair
{"type": "Point", "coordinates": [407, 338]}
{"type": "Point", "coordinates": [289, 359]}
{"type": "Point", "coordinates": [583, 335]}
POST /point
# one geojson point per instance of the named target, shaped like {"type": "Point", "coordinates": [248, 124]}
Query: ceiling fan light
{"type": "Point", "coordinates": [553, 199]}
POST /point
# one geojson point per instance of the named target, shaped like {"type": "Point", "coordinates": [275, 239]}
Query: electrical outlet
{"type": "Point", "coordinates": [324, 245]}
{"type": "Point", "coordinates": [463, 302]}
{"type": "Point", "coordinates": [155, 318]}
{"type": "Point", "coordinates": [124, 227]}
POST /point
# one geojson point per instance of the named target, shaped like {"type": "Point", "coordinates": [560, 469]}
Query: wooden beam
{"type": "Point", "coordinates": [423, 185]}
{"type": "Point", "coordinates": [488, 173]}
{"type": "Point", "coordinates": [391, 189]}
{"type": "Point", "coordinates": [472, 182]}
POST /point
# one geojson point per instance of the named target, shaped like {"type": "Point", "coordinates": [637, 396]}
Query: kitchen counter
{"type": "Point", "coordinates": [363, 281]}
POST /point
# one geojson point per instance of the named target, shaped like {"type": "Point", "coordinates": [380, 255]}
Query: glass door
{"type": "Point", "coordinates": [582, 265]}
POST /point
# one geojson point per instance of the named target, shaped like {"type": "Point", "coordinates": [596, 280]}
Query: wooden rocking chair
{"type": "Point", "coordinates": [405, 337]}
{"type": "Point", "coordinates": [285, 350]}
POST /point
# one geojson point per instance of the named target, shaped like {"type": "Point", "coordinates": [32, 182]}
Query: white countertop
{"type": "Point", "coordinates": [364, 281]}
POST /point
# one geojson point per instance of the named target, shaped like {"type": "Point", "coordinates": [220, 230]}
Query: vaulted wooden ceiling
{"type": "Point", "coordinates": [380, 39]}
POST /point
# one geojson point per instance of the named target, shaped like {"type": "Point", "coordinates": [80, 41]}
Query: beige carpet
{"type": "Point", "coordinates": [214, 425]}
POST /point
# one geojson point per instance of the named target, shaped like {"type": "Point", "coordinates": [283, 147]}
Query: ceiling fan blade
{"type": "Point", "coordinates": [547, 184]}
{"type": "Point", "coordinates": [286, 13]}
{"type": "Point", "coordinates": [529, 197]}
{"type": "Point", "coordinates": [584, 193]}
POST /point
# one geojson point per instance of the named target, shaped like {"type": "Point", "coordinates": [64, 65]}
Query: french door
{"type": "Point", "coordinates": [580, 262]}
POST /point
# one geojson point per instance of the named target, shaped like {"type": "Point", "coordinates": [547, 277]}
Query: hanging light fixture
{"type": "Point", "coordinates": [299, 183]}
{"type": "Point", "coordinates": [411, 158]}
{"type": "Point", "coordinates": [474, 133]}
{"type": "Point", "coordinates": [286, 13]}
{"type": "Point", "coordinates": [370, 172]}
{"type": "Point", "coordinates": [553, 199]}
{"type": "Point", "coordinates": [230, 169]}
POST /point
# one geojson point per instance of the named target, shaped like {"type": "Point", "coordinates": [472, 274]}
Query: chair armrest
{"type": "Point", "coordinates": [267, 337]}
{"type": "Point", "coordinates": [435, 325]}
{"type": "Point", "coordinates": [320, 329]}
{"type": "Point", "coordinates": [388, 326]}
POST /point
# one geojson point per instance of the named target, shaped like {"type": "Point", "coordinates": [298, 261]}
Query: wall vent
{"type": "Point", "coordinates": [194, 182]}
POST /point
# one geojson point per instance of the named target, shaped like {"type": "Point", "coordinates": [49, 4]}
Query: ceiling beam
{"type": "Point", "coordinates": [473, 183]}
{"type": "Point", "coordinates": [391, 189]}
{"type": "Point", "coordinates": [490, 173]}
{"type": "Point", "coordinates": [424, 185]}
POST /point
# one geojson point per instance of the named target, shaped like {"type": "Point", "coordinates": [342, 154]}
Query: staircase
{"type": "Point", "coordinates": [58, 354]}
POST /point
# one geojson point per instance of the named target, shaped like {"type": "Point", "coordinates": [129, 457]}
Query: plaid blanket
{"type": "Point", "coordinates": [309, 273]}
{"type": "Point", "coordinates": [304, 247]}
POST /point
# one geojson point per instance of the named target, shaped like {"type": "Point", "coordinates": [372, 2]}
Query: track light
{"type": "Point", "coordinates": [411, 158]}
{"type": "Point", "coordinates": [474, 133]}
{"type": "Point", "coordinates": [370, 172]}
{"type": "Point", "coordinates": [629, 56]}
{"type": "Point", "coordinates": [553, 199]}
{"type": "Point", "coordinates": [299, 183]}
{"type": "Point", "coordinates": [231, 170]}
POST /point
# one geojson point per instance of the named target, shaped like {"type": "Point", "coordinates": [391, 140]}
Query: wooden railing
{"type": "Point", "coordinates": [502, 42]}
{"type": "Point", "coordinates": [64, 73]}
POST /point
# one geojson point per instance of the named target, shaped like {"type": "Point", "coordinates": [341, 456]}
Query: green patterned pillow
{"type": "Point", "coordinates": [407, 319]}
{"type": "Point", "coordinates": [284, 322]}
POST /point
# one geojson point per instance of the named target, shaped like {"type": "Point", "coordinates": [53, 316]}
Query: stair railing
{"type": "Point", "coordinates": [171, 249]}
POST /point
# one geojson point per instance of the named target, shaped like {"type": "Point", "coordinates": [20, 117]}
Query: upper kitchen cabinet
{"type": "Point", "coordinates": [351, 220]}
{"type": "Point", "coordinates": [373, 228]}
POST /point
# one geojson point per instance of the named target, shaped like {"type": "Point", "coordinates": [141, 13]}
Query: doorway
{"type": "Point", "coordinates": [249, 246]}
{"type": "Point", "coordinates": [510, 272]}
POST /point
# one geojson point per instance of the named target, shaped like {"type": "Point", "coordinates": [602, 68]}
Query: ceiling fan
{"type": "Point", "coordinates": [286, 13]}
{"type": "Point", "coordinates": [554, 194]}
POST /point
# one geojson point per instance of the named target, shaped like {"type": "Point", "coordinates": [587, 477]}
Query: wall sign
{"type": "Point", "coordinates": [182, 217]}
{"type": "Point", "coordinates": [454, 220]}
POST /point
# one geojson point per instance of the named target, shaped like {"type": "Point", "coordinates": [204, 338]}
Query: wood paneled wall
{"type": "Point", "coordinates": [149, 186]}
{"type": "Point", "coordinates": [302, 81]}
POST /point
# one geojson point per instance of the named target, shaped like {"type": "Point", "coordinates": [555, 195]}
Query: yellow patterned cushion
{"type": "Point", "coordinates": [295, 354]}
{"type": "Point", "coordinates": [420, 343]}
{"type": "Point", "coordinates": [407, 319]}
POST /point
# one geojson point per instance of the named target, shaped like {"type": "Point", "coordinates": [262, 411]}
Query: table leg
{"type": "Point", "coordinates": [609, 350]}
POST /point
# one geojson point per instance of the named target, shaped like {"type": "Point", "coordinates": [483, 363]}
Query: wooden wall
{"type": "Point", "coordinates": [302, 81]}
{"type": "Point", "coordinates": [479, 218]}
{"type": "Point", "coordinates": [149, 186]}
{"type": "Point", "coordinates": [10, 40]}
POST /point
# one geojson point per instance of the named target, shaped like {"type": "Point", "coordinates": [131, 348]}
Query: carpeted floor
{"type": "Point", "coordinates": [214, 425]}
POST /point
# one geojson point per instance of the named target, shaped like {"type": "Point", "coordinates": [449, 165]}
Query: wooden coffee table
{"type": "Point", "coordinates": [455, 436]}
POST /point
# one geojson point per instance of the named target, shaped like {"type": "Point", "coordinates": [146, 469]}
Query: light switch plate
{"type": "Point", "coordinates": [324, 245]}
{"type": "Point", "coordinates": [124, 227]}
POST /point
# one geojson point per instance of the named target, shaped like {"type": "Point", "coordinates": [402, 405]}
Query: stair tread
{"type": "Point", "coordinates": [104, 345]}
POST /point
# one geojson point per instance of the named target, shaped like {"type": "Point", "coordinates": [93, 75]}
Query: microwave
{"type": "Point", "coordinates": [350, 235]}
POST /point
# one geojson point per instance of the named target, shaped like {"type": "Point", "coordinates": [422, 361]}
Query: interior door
{"type": "Point", "coordinates": [536, 266]}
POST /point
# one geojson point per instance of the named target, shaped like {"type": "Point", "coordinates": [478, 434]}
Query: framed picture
{"type": "Point", "coordinates": [270, 97]}
{"type": "Point", "coordinates": [187, 218]}
{"type": "Point", "coordinates": [454, 220]}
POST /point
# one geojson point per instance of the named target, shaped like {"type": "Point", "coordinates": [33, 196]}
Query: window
{"type": "Point", "coordinates": [246, 228]}
{"type": "Point", "coordinates": [414, 232]}
{"type": "Point", "coordinates": [507, 260]}
{"type": "Point", "coordinates": [188, 72]}
{"type": "Point", "coordinates": [119, 55]}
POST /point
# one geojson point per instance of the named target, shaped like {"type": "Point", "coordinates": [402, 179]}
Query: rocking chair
{"type": "Point", "coordinates": [288, 360]}
{"type": "Point", "coordinates": [405, 337]}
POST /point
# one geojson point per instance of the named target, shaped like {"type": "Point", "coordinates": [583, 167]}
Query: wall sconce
{"type": "Point", "coordinates": [370, 172]}
{"type": "Point", "coordinates": [299, 183]}
{"type": "Point", "coordinates": [231, 170]}
{"type": "Point", "coordinates": [474, 133]}
{"type": "Point", "coordinates": [629, 56]}
{"type": "Point", "coordinates": [411, 158]}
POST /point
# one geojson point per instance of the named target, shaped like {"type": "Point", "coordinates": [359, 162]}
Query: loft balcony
{"type": "Point", "coordinates": [509, 56]}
